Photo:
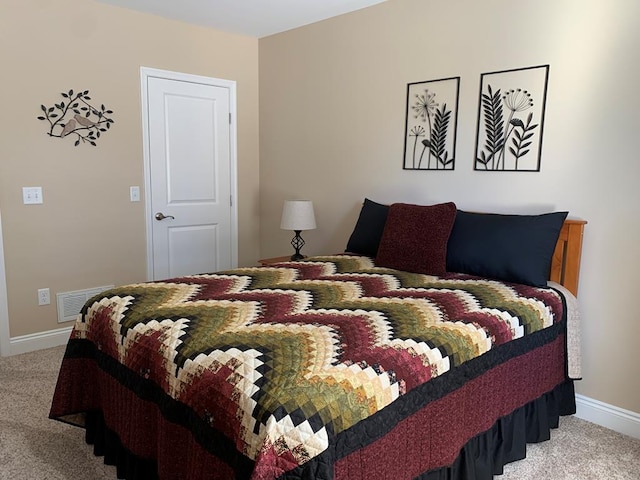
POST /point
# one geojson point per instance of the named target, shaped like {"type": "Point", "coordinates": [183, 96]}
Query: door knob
{"type": "Point", "coordinates": [162, 216]}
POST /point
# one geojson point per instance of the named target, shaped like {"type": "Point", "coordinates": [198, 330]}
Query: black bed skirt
{"type": "Point", "coordinates": [486, 454]}
{"type": "Point", "coordinates": [107, 444]}
{"type": "Point", "coordinates": [480, 459]}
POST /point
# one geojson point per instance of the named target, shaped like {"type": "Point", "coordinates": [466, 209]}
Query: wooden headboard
{"type": "Point", "coordinates": [565, 264]}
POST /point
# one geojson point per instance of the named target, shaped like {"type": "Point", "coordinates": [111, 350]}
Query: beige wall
{"type": "Point", "coordinates": [87, 233]}
{"type": "Point", "coordinates": [332, 103]}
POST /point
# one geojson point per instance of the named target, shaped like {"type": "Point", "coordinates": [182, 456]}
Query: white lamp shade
{"type": "Point", "coordinates": [298, 215]}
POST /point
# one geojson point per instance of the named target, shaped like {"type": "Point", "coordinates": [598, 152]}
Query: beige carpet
{"type": "Point", "coordinates": [34, 447]}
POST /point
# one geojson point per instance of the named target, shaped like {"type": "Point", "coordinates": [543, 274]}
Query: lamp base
{"type": "Point", "coordinates": [297, 242]}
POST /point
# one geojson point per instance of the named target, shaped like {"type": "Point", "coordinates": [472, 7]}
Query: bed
{"type": "Point", "coordinates": [405, 357]}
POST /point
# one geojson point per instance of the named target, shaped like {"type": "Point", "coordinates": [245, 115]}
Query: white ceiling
{"type": "Point", "coordinates": [255, 18]}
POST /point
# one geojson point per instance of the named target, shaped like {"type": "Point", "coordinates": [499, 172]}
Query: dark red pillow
{"type": "Point", "coordinates": [415, 238]}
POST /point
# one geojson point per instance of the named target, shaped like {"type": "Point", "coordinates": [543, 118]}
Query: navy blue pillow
{"type": "Point", "coordinates": [367, 233]}
{"type": "Point", "coordinates": [511, 248]}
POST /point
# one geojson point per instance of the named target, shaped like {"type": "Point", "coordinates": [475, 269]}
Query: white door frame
{"type": "Point", "coordinates": [145, 73]}
{"type": "Point", "coordinates": [5, 339]}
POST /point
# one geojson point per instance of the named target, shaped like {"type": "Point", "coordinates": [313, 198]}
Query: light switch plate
{"type": "Point", "coordinates": [32, 195]}
{"type": "Point", "coordinates": [134, 194]}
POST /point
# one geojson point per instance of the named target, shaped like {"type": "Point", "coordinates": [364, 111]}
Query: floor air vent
{"type": "Point", "coordinates": [70, 303]}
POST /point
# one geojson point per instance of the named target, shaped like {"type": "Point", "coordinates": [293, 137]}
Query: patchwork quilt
{"type": "Point", "coordinates": [280, 360]}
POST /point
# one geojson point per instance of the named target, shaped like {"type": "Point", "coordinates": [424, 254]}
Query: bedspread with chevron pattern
{"type": "Point", "coordinates": [280, 360]}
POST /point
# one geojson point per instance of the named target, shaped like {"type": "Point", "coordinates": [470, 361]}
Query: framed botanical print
{"type": "Point", "coordinates": [430, 126]}
{"type": "Point", "coordinates": [511, 119]}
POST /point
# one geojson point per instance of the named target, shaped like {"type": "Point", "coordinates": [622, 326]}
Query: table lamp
{"type": "Point", "coordinates": [297, 215]}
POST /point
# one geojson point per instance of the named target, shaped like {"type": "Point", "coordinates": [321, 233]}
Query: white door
{"type": "Point", "coordinates": [191, 217]}
{"type": "Point", "coordinates": [4, 310]}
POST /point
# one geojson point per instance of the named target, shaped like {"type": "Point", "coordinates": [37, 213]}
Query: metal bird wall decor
{"type": "Point", "coordinates": [76, 116]}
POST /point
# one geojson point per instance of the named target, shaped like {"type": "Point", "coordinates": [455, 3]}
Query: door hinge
{"type": "Point", "coordinates": [229, 118]}
{"type": "Point", "coordinates": [231, 200]}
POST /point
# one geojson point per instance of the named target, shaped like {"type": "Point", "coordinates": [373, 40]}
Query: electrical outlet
{"type": "Point", "coordinates": [44, 296]}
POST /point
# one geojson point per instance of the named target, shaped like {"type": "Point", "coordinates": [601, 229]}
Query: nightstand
{"type": "Point", "coordinates": [269, 261]}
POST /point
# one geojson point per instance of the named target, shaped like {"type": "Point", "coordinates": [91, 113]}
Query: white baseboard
{"type": "Point", "coordinates": [609, 416]}
{"type": "Point", "coordinates": [39, 341]}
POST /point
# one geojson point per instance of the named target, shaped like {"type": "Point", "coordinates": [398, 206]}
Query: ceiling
{"type": "Point", "coordinates": [255, 18]}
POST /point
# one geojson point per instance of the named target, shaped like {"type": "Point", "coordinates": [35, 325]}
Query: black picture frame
{"type": "Point", "coordinates": [510, 125]}
{"type": "Point", "coordinates": [432, 113]}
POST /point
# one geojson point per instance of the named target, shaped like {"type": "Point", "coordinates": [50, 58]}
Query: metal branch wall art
{"type": "Point", "coordinates": [430, 128]}
{"type": "Point", "coordinates": [513, 143]}
{"type": "Point", "coordinates": [77, 117]}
